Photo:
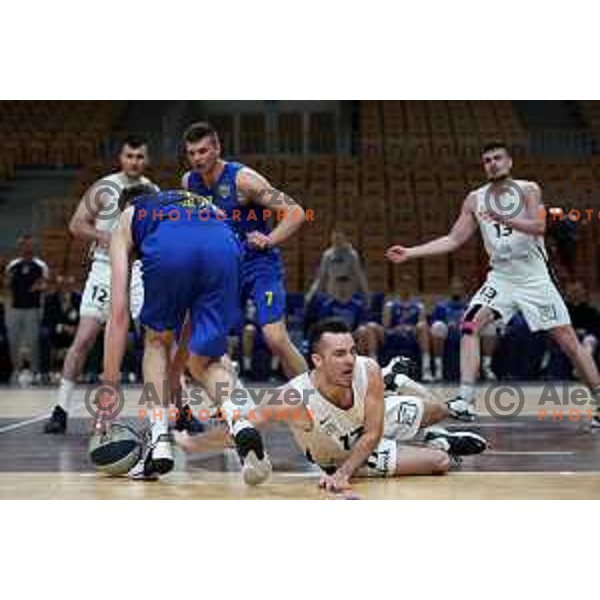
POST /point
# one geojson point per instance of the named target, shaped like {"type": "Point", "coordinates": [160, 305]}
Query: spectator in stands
{"type": "Point", "coordinates": [445, 321]}
{"type": "Point", "coordinates": [27, 277]}
{"type": "Point", "coordinates": [404, 321]}
{"type": "Point", "coordinates": [585, 318]}
{"type": "Point", "coordinates": [59, 322]}
{"type": "Point", "coordinates": [339, 265]}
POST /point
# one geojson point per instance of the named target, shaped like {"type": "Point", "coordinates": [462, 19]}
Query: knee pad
{"type": "Point", "coordinates": [439, 329]}
{"type": "Point", "coordinates": [468, 328]}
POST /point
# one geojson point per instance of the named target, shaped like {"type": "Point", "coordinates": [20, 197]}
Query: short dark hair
{"type": "Point", "coordinates": [320, 328]}
{"type": "Point", "coordinates": [495, 145]}
{"type": "Point", "coordinates": [198, 131]}
{"type": "Point", "coordinates": [134, 191]}
{"type": "Point", "coordinates": [133, 141]}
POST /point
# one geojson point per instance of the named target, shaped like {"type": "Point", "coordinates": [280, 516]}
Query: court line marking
{"type": "Point", "coordinates": [21, 424]}
{"type": "Point", "coordinates": [528, 452]}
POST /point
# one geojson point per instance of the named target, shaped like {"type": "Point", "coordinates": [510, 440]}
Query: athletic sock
{"type": "Point", "coordinates": [487, 362]}
{"type": "Point", "coordinates": [159, 417]}
{"type": "Point", "coordinates": [426, 362]}
{"type": "Point", "coordinates": [467, 391]}
{"type": "Point", "coordinates": [247, 363]}
{"type": "Point", "coordinates": [65, 394]}
{"type": "Point", "coordinates": [274, 363]}
{"type": "Point", "coordinates": [439, 366]}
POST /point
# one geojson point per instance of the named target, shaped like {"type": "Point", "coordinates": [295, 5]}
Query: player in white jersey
{"type": "Point", "coordinates": [509, 213]}
{"type": "Point", "coordinates": [343, 421]}
{"type": "Point", "coordinates": [94, 220]}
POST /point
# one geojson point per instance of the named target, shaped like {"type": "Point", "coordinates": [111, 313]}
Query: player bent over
{"type": "Point", "coordinates": [190, 264]}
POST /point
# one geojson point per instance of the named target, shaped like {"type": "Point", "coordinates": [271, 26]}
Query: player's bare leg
{"type": "Point", "coordinates": [248, 337]}
{"type": "Point", "coordinates": [219, 379]}
{"type": "Point", "coordinates": [439, 335]}
{"type": "Point", "coordinates": [583, 362]}
{"type": "Point", "coordinates": [463, 405]}
{"type": "Point", "coordinates": [85, 338]}
{"type": "Point", "coordinates": [489, 341]}
{"type": "Point", "coordinates": [415, 460]}
{"type": "Point", "coordinates": [158, 458]}
{"type": "Point", "coordinates": [278, 340]}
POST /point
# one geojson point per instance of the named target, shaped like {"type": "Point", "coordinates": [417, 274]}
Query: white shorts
{"type": "Point", "coordinates": [402, 421]}
{"type": "Point", "coordinates": [95, 302]}
{"type": "Point", "coordinates": [537, 298]}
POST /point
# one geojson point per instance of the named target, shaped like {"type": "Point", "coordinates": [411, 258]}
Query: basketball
{"type": "Point", "coordinates": [115, 452]}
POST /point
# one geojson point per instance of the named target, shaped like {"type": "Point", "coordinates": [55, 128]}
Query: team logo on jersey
{"type": "Point", "coordinates": [548, 313]}
{"type": "Point", "coordinates": [407, 414]}
{"type": "Point", "coordinates": [224, 190]}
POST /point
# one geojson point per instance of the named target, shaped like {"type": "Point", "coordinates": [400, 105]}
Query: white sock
{"type": "Point", "coordinates": [487, 362]}
{"type": "Point", "coordinates": [439, 365]}
{"type": "Point", "coordinates": [235, 412]}
{"type": "Point", "coordinates": [159, 417]}
{"type": "Point", "coordinates": [65, 393]}
{"type": "Point", "coordinates": [274, 363]}
{"type": "Point", "coordinates": [426, 362]}
{"type": "Point", "coordinates": [247, 362]}
{"type": "Point", "coordinates": [467, 391]}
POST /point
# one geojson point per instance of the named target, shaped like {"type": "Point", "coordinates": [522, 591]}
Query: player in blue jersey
{"type": "Point", "coordinates": [405, 317]}
{"type": "Point", "coordinates": [249, 200]}
{"type": "Point", "coordinates": [190, 264]}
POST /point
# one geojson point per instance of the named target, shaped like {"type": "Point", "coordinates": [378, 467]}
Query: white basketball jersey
{"type": "Point", "coordinates": [109, 214]}
{"type": "Point", "coordinates": [334, 431]}
{"type": "Point", "coordinates": [502, 242]}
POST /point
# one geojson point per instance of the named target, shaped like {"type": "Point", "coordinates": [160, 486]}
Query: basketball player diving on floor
{"type": "Point", "coordinates": [190, 263]}
{"type": "Point", "coordinates": [343, 421]}
{"type": "Point", "coordinates": [511, 219]}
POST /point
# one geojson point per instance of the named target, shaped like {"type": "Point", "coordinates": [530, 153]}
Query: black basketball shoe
{"type": "Point", "coordinates": [57, 423]}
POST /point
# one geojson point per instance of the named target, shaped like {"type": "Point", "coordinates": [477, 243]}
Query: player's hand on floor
{"type": "Point", "coordinates": [334, 483]}
{"type": "Point", "coordinates": [258, 240]}
{"type": "Point", "coordinates": [103, 240]}
{"type": "Point", "coordinates": [397, 254]}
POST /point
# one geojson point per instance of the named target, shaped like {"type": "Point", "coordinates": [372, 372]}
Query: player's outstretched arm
{"type": "Point", "coordinates": [259, 191]}
{"type": "Point", "coordinates": [371, 436]}
{"type": "Point", "coordinates": [115, 337]}
{"type": "Point", "coordinates": [463, 229]}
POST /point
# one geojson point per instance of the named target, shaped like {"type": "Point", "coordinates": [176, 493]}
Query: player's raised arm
{"type": "Point", "coordinates": [371, 436]}
{"type": "Point", "coordinates": [258, 190]}
{"type": "Point", "coordinates": [115, 340]}
{"type": "Point", "coordinates": [532, 219]}
{"type": "Point", "coordinates": [463, 229]}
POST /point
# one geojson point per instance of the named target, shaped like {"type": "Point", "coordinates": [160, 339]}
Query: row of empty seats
{"type": "Point", "coordinates": [53, 133]}
{"type": "Point", "coordinates": [377, 205]}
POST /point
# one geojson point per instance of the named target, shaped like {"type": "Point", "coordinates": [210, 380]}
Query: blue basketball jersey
{"type": "Point", "coordinates": [448, 311]}
{"type": "Point", "coordinates": [405, 312]}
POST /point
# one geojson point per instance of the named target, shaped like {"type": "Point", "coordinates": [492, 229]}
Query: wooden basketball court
{"type": "Point", "coordinates": [530, 457]}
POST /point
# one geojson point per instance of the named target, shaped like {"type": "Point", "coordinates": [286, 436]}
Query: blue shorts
{"type": "Point", "coordinates": [262, 282]}
{"type": "Point", "coordinates": [198, 275]}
